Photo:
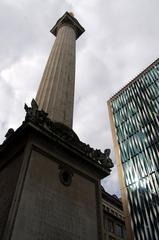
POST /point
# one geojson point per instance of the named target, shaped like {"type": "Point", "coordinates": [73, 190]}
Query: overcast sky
{"type": "Point", "coordinates": [121, 39]}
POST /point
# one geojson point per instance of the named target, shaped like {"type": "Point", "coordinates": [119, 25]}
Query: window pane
{"type": "Point", "coordinates": [119, 230]}
{"type": "Point", "coordinates": [110, 226]}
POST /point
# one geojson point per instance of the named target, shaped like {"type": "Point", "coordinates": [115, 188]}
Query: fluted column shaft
{"type": "Point", "coordinates": [56, 91]}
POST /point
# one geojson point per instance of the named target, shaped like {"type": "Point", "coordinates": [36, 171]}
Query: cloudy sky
{"type": "Point", "coordinates": [121, 39]}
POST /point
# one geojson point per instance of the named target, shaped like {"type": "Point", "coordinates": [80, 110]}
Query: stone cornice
{"type": "Point", "coordinates": [39, 119]}
{"type": "Point", "coordinates": [68, 19]}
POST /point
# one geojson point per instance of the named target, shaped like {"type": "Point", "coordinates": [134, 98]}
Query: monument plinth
{"type": "Point", "coordinates": [50, 182]}
{"type": "Point", "coordinates": [49, 179]}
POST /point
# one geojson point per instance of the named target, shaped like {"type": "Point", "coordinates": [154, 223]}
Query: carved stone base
{"type": "Point", "coordinates": [50, 183]}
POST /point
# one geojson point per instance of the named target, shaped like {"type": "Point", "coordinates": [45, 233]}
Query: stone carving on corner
{"type": "Point", "coordinates": [9, 133]}
{"type": "Point", "coordinates": [67, 135]}
{"type": "Point", "coordinates": [105, 160]}
{"type": "Point", "coordinates": [34, 115]}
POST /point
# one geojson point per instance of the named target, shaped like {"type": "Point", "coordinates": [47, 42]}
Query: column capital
{"type": "Point", "coordinates": [68, 19]}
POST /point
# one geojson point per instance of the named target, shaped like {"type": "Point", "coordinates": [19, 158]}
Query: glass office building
{"type": "Point", "coordinates": [134, 117]}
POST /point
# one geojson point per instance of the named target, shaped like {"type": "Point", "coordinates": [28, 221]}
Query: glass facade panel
{"type": "Point", "coordinates": [136, 119]}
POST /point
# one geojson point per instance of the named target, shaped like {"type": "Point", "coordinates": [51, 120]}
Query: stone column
{"type": "Point", "coordinates": [56, 91]}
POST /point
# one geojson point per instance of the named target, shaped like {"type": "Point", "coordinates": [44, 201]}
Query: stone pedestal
{"type": "Point", "coordinates": [50, 182]}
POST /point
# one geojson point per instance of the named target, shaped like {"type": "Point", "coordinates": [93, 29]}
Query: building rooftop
{"type": "Point", "coordinates": [134, 80]}
{"type": "Point", "coordinates": [113, 199]}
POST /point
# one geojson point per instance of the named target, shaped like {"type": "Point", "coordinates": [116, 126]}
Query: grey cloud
{"type": "Point", "coordinates": [6, 96]}
{"type": "Point", "coordinates": [121, 39]}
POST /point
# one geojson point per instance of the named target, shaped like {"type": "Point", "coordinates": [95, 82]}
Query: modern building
{"type": "Point", "coordinates": [113, 217]}
{"type": "Point", "coordinates": [134, 121]}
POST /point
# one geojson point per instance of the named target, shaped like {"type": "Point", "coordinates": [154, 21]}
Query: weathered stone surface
{"type": "Point", "coordinates": [49, 210]}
